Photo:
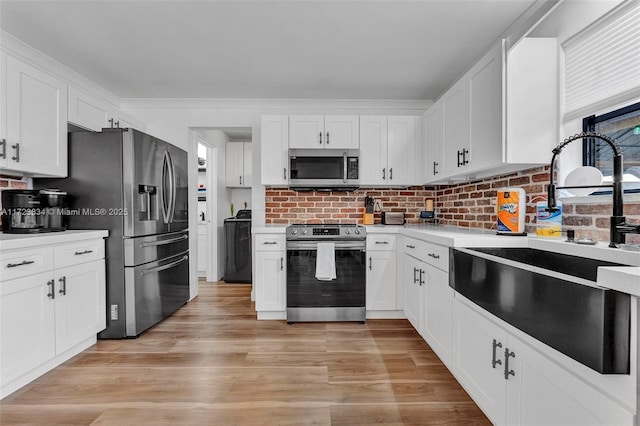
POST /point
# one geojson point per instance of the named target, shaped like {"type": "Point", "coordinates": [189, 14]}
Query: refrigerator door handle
{"type": "Point", "coordinates": [165, 199]}
{"type": "Point", "coordinates": [173, 183]}
{"type": "Point", "coordinates": [163, 242]}
{"type": "Point", "coordinates": [163, 267]}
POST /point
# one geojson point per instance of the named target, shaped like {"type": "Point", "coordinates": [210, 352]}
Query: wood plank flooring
{"type": "Point", "coordinates": [213, 363]}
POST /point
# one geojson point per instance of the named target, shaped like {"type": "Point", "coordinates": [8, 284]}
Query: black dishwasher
{"type": "Point", "coordinates": [237, 234]}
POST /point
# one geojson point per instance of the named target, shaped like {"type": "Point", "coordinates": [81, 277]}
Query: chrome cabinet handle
{"type": "Point", "coordinates": [78, 253]}
{"type": "Point", "coordinates": [23, 263]}
{"type": "Point", "coordinates": [63, 286]}
{"type": "Point", "coordinates": [411, 246]}
{"type": "Point", "coordinates": [435, 256]}
{"type": "Point", "coordinates": [495, 361]}
{"type": "Point", "coordinates": [3, 142]}
{"type": "Point", "coordinates": [435, 172]}
{"type": "Point", "coordinates": [320, 138]}
{"type": "Point", "coordinates": [16, 158]}
{"type": "Point", "coordinates": [285, 174]}
{"type": "Point", "coordinates": [270, 242]}
{"type": "Point", "coordinates": [507, 355]}
{"type": "Point", "coordinates": [421, 280]}
{"type": "Point", "coordinates": [281, 263]}
{"type": "Point", "coordinates": [391, 173]}
{"type": "Point", "coordinates": [52, 289]}
{"type": "Point", "coordinates": [382, 242]}
{"type": "Point", "coordinates": [327, 142]}
{"type": "Point", "coordinates": [415, 280]}
{"type": "Point", "coordinates": [383, 175]}
{"type": "Point", "coordinates": [370, 264]}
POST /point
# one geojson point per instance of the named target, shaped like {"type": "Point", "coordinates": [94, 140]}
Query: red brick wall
{"type": "Point", "coordinates": [470, 204]}
{"type": "Point", "coordinates": [13, 182]}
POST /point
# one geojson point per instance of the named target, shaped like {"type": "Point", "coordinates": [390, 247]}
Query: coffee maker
{"type": "Point", "coordinates": [28, 211]}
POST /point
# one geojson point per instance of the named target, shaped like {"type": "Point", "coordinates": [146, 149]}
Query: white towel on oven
{"type": "Point", "coordinates": [326, 262]}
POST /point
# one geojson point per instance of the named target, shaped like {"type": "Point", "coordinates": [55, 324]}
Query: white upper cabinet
{"type": "Point", "coordinates": [274, 145]}
{"type": "Point", "coordinates": [387, 146]}
{"type": "Point", "coordinates": [319, 131]}
{"type": "Point", "coordinates": [432, 143]}
{"type": "Point", "coordinates": [34, 120]}
{"type": "Point", "coordinates": [238, 163]}
{"type": "Point", "coordinates": [93, 113]}
{"type": "Point", "coordinates": [501, 116]}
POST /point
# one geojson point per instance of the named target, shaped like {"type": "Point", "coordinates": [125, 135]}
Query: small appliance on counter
{"type": "Point", "coordinates": [393, 218]}
{"type": "Point", "coordinates": [30, 211]}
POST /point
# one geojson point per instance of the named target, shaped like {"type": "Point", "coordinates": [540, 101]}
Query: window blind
{"type": "Point", "coordinates": [603, 60]}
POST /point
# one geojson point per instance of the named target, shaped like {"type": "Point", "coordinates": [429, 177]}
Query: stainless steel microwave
{"type": "Point", "coordinates": [324, 169]}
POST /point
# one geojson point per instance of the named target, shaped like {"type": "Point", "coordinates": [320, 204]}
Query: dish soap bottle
{"type": "Point", "coordinates": [511, 211]}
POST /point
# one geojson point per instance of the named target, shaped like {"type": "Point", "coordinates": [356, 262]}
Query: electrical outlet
{"type": "Point", "coordinates": [493, 201]}
{"type": "Point", "coordinates": [114, 312]}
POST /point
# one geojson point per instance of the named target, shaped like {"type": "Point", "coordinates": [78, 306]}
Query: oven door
{"type": "Point", "coordinates": [304, 290]}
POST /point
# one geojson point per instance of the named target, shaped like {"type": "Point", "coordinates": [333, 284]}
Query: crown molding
{"type": "Point", "coordinates": [417, 106]}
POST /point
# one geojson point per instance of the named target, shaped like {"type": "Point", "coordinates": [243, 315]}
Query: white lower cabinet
{"type": "Point", "coordinates": [413, 282]}
{"type": "Point", "coordinates": [515, 384]}
{"type": "Point", "coordinates": [381, 267]}
{"type": "Point", "coordinates": [270, 275]}
{"type": "Point", "coordinates": [438, 300]}
{"type": "Point", "coordinates": [48, 316]}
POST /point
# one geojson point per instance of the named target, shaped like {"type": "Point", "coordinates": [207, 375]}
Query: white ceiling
{"type": "Point", "coordinates": [302, 49]}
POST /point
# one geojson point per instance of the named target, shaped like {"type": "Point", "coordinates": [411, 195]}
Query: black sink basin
{"type": "Point", "coordinates": [576, 266]}
{"type": "Point", "coordinates": [582, 320]}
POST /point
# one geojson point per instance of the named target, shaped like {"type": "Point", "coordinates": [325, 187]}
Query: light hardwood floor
{"type": "Point", "coordinates": [213, 363]}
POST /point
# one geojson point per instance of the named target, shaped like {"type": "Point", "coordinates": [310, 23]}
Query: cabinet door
{"type": "Point", "coordinates": [342, 131]}
{"type": "Point", "coordinates": [472, 356]}
{"type": "Point", "coordinates": [400, 150]}
{"type": "Point", "coordinates": [36, 120]}
{"type": "Point", "coordinates": [306, 131]}
{"type": "Point", "coordinates": [373, 150]}
{"type": "Point", "coordinates": [486, 100]}
{"type": "Point", "coordinates": [455, 127]}
{"type": "Point", "coordinates": [274, 145]}
{"type": "Point", "coordinates": [413, 291]}
{"type": "Point", "coordinates": [247, 165]}
{"type": "Point", "coordinates": [4, 148]}
{"type": "Point", "coordinates": [234, 163]}
{"type": "Point", "coordinates": [88, 111]}
{"type": "Point", "coordinates": [381, 281]}
{"type": "Point", "coordinates": [270, 281]}
{"type": "Point", "coordinates": [540, 392]}
{"type": "Point", "coordinates": [438, 313]}
{"type": "Point", "coordinates": [432, 143]}
{"type": "Point", "coordinates": [80, 303]}
{"type": "Point", "coordinates": [26, 325]}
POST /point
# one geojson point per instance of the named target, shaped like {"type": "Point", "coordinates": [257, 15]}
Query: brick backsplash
{"type": "Point", "coordinates": [13, 182]}
{"type": "Point", "coordinates": [469, 204]}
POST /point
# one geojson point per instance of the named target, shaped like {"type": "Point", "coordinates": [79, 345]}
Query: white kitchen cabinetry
{"type": "Point", "coordinates": [33, 120]}
{"type": "Point", "coordinates": [501, 116]}
{"type": "Point", "coordinates": [52, 305]}
{"type": "Point", "coordinates": [270, 276]}
{"type": "Point", "coordinates": [432, 143]}
{"type": "Point", "coordinates": [274, 146]}
{"type": "Point", "coordinates": [94, 113]}
{"type": "Point", "coordinates": [238, 164]}
{"type": "Point", "coordinates": [413, 282]}
{"type": "Point", "coordinates": [381, 273]}
{"type": "Point", "coordinates": [387, 148]}
{"type": "Point", "coordinates": [515, 384]}
{"type": "Point", "coordinates": [319, 131]}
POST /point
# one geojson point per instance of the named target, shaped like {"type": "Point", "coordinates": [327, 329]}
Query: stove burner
{"type": "Point", "coordinates": [337, 231]}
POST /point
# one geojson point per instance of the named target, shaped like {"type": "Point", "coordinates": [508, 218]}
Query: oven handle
{"type": "Point", "coordinates": [313, 245]}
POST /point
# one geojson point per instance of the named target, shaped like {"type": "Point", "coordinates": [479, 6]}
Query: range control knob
{"type": "Point", "coordinates": [304, 231]}
{"type": "Point", "coordinates": [347, 231]}
{"type": "Point", "coordinates": [294, 231]}
{"type": "Point", "coordinates": [357, 231]}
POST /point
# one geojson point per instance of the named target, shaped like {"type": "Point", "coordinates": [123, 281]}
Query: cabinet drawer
{"type": "Point", "coordinates": [437, 256]}
{"type": "Point", "coordinates": [381, 242]}
{"type": "Point", "coordinates": [78, 252]}
{"type": "Point", "coordinates": [24, 262]}
{"type": "Point", "coordinates": [413, 247]}
{"type": "Point", "coordinates": [270, 242]}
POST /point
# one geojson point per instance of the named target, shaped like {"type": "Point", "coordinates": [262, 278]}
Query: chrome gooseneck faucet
{"type": "Point", "coordinates": [618, 226]}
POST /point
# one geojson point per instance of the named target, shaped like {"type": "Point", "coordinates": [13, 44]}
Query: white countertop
{"type": "Point", "coordinates": [18, 241]}
{"type": "Point", "coordinates": [275, 228]}
{"type": "Point", "coordinates": [625, 279]}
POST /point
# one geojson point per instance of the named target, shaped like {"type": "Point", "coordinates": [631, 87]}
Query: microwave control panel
{"type": "Point", "coordinates": [352, 167]}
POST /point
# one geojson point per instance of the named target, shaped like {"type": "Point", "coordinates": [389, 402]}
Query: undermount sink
{"type": "Point", "coordinates": [552, 297]}
{"type": "Point", "coordinates": [576, 266]}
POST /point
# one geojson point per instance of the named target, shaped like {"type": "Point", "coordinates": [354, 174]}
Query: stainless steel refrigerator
{"type": "Point", "coordinates": [134, 185]}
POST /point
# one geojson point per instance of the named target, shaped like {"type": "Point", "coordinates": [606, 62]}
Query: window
{"type": "Point", "coordinates": [623, 126]}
